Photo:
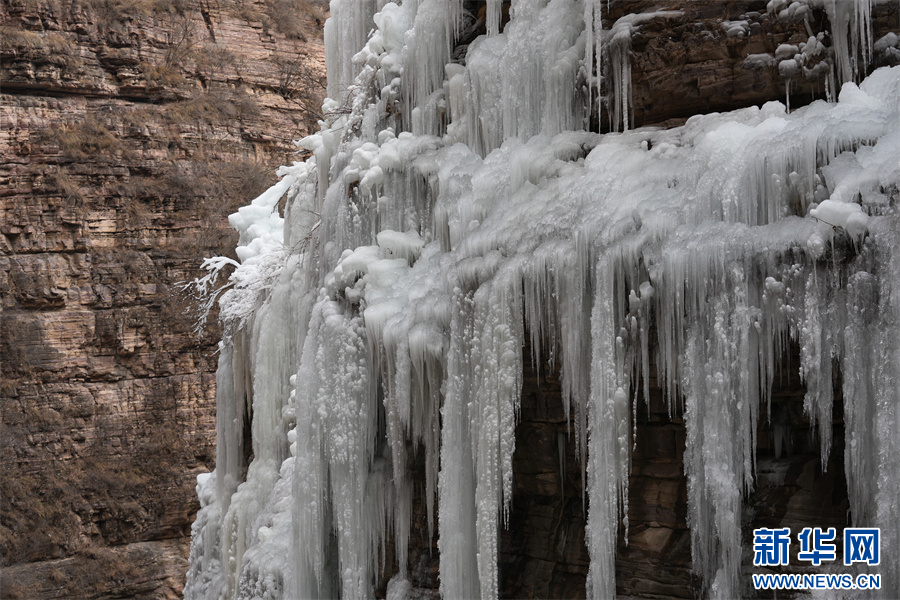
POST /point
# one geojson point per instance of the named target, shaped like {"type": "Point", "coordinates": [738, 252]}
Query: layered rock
{"type": "Point", "coordinates": [130, 129]}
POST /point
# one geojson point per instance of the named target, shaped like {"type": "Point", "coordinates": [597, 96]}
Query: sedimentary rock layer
{"type": "Point", "coordinates": [130, 130]}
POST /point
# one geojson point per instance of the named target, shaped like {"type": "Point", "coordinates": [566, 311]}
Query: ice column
{"type": "Point", "coordinates": [871, 388]}
{"type": "Point", "coordinates": [346, 31]}
{"type": "Point", "coordinates": [523, 89]}
{"type": "Point", "coordinates": [457, 538]}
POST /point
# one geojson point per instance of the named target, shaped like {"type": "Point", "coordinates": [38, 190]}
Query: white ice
{"type": "Point", "coordinates": [451, 209]}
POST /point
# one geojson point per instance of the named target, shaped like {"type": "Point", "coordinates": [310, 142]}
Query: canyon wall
{"type": "Point", "coordinates": [130, 129]}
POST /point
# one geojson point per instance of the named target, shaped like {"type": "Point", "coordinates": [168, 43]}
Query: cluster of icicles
{"type": "Point", "coordinates": [449, 210]}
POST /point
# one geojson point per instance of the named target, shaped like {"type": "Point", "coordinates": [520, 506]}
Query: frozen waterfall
{"type": "Point", "coordinates": [451, 208]}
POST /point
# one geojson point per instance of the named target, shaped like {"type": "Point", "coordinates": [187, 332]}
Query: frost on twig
{"type": "Point", "coordinates": [205, 290]}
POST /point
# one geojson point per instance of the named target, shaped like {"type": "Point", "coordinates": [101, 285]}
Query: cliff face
{"type": "Point", "coordinates": [130, 129]}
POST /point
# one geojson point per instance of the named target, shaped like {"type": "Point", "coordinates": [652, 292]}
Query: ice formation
{"type": "Point", "coordinates": [449, 210]}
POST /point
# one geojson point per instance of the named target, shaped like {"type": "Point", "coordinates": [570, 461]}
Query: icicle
{"type": "Point", "coordinates": [430, 41]}
{"type": "Point", "coordinates": [851, 24]}
{"type": "Point", "coordinates": [517, 90]}
{"type": "Point", "coordinates": [871, 375]}
{"type": "Point", "coordinates": [609, 429]}
{"type": "Point", "coordinates": [620, 75]}
{"type": "Point", "coordinates": [346, 31]}
{"type": "Point", "coordinates": [271, 345]}
{"type": "Point", "coordinates": [593, 57]}
{"type": "Point", "coordinates": [206, 572]}
{"type": "Point", "coordinates": [230, 415]}
{"type": "Point", "coordinates": [561, 452]}
{"type": "Point", "coordinates": [495, 406]}
{"type": "Point", "coordinates": [340, 422]}
{"type": "Point", "coordinates": [456, 482]}
{"type": "Point", "coordinates": [618, 42]}
{"type": "Point", "coordinates": [493, 15]}
{"type": "Point", "coordinates": [266, 571]}
{"type": "Point", "coordinates": [816, 354]}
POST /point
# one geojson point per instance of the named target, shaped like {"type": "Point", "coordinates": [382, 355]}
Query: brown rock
{"type": "Point", "coordinates": [129, 131]}
{"type": "Point", "coordinates": [688, 64]}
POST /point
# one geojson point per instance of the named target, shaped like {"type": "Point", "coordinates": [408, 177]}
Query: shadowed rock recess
{"type": "Point", "coordinates": [571, 297]}
{"type": "Point", "coordinates": [130, 129]}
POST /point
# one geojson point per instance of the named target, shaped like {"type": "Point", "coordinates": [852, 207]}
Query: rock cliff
{"type": "Point", "coordinates": [130, 129]}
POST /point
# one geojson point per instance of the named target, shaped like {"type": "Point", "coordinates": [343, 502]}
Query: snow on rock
{"type": "Point", "coordinates": [452, 211]}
